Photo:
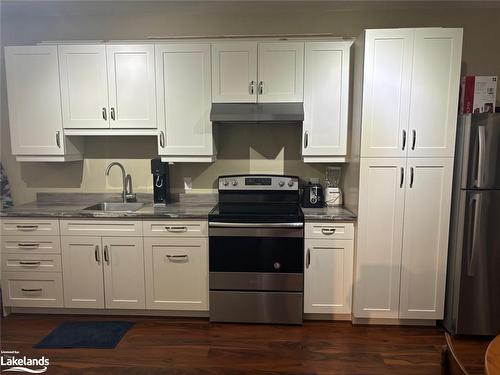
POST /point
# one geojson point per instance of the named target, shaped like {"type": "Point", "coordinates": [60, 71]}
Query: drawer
{"type": "Point", "coordinates": [333, 230]}
{"type": "Point", "coordinates": [92, 227]}
{"type": "Point", "coordinates": [31, 244]}
{"type": "Point", "coordinates": [175, 228]}
{"type": "Point", "coordinates": [30, 227]}
{"type": "Point", "coordinates": [32, 289]}
{"type": "Point", "coordinates": [31, 262]}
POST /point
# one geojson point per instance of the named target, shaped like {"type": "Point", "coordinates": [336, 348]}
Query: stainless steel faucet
{"type": "Point", "coordinates": [127, 194]}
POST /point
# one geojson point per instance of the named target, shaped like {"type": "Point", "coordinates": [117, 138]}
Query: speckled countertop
{"type": "Point", "coordinates": [188, 206]}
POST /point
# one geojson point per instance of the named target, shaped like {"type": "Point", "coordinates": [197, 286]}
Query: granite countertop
{"type": "Point", "coordinates": [187, 206]}
{"type": "Point", "coordinates": [328, 213]}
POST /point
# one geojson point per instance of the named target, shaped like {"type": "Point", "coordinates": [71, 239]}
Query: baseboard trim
{"type": "Point", "coordinates": [68, 311]}
{"type": "Point", "coordinates": [394, 322]}
{"type": "Point", "coordinates": [343, 317]}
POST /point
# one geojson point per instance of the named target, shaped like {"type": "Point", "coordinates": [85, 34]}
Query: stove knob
{"type": "Point", "coordinates": [281, 183]}
{"type": "Point", "coordinates": [290, 183]}
{"type": "Point", "coordinates": [235, 183]}
{"type": "Point", "coordinates": [225, 183]}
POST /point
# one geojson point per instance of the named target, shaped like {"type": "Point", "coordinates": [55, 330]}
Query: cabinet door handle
{"type": "Point", "coordinates": [404, 140]}
{"type": "Point", "coordinates": [252, 87]}
{"type": "Point", "coordinates": [97, 254]}
{"type": "Point", "coordinates": [29, 263]}
{"type": "Point", "coordinates": [308, 258]}
{"type": "Point", "coordinates": [173, 258]}
{"type": "Point", "coordinates": [328, 231]}
{"type": "Point", "coordinates": [402, 178]}
{"type": "Point", "coordinates": [261, 87]}
{"type": "Point", "coordinates": [31, 289]}
{"type": "Point", "coordinates": [58, 139]}
{"type": "Point", "coordinates": [106, 254]}
{"type": "Point", "coordinates": [27, 228]}
{"type": "Point", "coordinates": [412, 175]}
{"type": "Point", "coordinates": [414, 141]}
{"type": "Point", "coordinates": [176, 229]}
{"type": "Point", "coordinates": [162, 139]}
{"type": "Point", "coordinates": [27, 245]}
{"type": "Point", "coordinates": [104, 114]}
{"type": "Point", "coordinates": [112, 113]}
{"type": "Point", "coordinates": [306, 139]}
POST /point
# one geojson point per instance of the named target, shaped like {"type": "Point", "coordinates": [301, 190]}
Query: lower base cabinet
{"type": "Point", "coordinates": [103, 272]}
{"type": "Point", "coordinates": [32, 289]}
{"type": "Point", "coordinates": [176, 273]}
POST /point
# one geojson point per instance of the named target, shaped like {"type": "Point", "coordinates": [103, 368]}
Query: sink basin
{"type": "Point", "coordinates": [115, 207]}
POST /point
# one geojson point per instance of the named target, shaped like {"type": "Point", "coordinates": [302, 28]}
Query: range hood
{"type": "Point", "coordinates": [257, 112]}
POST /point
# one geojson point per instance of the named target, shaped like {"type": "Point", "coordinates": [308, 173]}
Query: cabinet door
{"type": "Point", "coordinates": [82, 272]}
{"type": "Point", "coordinates": [84, 86]}
{"type": "Point", "coordinates": [386, 92]}
{"type": "Point", "coordinates": [131, 77]}
{"type": "Point", "coordinates": [124, 272]}
{"type": "Point", "coordinates": [380, 236]}
{"type": "Point", "coordinates": [281, 72]}
{"type": "Point", "coordinates": [234, 72]}
{"type": "Point", "coordinates": [425, 244]}
{"type": "Point", "coordinates": [328, 276]}
{"type": "Point", "coordinates": [434, 92]}
{"type": "Point", "coordinates": [184, 99]}
{"type": "Point", "coordinates": [326, 98]}
{"type": "Point", "coordinates": [34, 100]}
{"type": "Point", "coordinates": [176, 273]}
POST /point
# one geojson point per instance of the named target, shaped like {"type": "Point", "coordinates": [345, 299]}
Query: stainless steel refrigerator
{"type": "Point", "coordinates": [473, 276]}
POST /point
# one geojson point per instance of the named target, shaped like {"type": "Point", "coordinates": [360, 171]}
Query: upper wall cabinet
{"type": "Point", "coordinates": [184, 102]}
{"type": "Point", "coordinates": [250, 72]}
{"type": "Point", "coordinates": [106, 87]}
{"type": "Point", "coordinates": [326, 101]}
{"type": "Point", "coordinates": [410, 95]}
{"type": "Point", "coordinates": [36, 127]}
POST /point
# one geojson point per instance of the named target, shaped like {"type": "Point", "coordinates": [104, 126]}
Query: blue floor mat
{"type": "Point", "coordinates": [86, 334]}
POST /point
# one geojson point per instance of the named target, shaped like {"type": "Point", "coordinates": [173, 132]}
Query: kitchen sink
{"type": "Point", "coordinates": [115, 207]}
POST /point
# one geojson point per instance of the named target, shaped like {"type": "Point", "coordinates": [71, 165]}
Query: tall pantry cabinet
{"type": "Point", "coordinates": [409, 112]}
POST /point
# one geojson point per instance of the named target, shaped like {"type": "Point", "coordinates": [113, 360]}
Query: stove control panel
{"type": "Point", "coordinates": [258, 182]}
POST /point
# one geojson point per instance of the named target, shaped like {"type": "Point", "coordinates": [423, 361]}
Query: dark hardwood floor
{"type": "Point", "coordinates": [194, 346]}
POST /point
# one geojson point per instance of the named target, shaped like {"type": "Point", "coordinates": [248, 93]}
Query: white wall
{"type": "Point", "coordinates": [241, 148]}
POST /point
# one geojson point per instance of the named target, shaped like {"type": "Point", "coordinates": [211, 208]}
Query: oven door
{"type": "Point", "coordinates": [258, 257]}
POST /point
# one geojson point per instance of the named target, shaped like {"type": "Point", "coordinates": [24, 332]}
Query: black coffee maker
{"type": "Point", "coordinates": [159, 170]}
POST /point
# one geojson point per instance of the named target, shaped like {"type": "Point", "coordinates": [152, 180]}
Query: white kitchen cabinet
{"type": "Point", "coordinates": [386, 92]}
{"type": "Point", "coordinates": [410, 92]}
{"type": "Point", "coordinates": [176, 273]}
{"type": "Point", "coordinates": [83, 282]}
{"type": "Point", "coordinates": [131, 79]}
{"type": "Point", "coordinates": [281, 72]}
{"type": "Point", "coordinates": [36, 126]}
{"type": "Point", "coordinates": [326, 101]}
{"type": "Point", "coordinates": [380, 236]}
{"type": "Point", "coordinates": [84, 86]}
{"type": "Point", "coordinates": [124, 272]}
{"type": "Point", "coordinates": [183, 74]}
{"type": "Point", "coordinates": [434, 92]}
{"type": "Point", "coordinates": [425, 237]}
{"type": "Point", "coordinates": [328, 276]}
{"type": "Point", "coordinates": [234, 72]}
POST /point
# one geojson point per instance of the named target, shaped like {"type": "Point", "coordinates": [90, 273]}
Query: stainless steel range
{"type": "Point", "coordinates": [256, 253]}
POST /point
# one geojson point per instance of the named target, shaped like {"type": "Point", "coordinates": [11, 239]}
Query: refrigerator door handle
{"type": "Point", "coordinates": [475, 235]}
{"type": "Point", "coordinates": [481, 155]}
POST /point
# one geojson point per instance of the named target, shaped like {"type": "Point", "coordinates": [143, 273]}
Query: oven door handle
{"type": "Point", "coordinates": [221, 224]}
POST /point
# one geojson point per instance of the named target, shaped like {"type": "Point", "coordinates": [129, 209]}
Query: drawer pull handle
{"type": "Point", "coordinates": [328, 231]}
{"type": "Point", "coordinates": [28, 245]}
{"type": "Point", "coordinates": [31, 290]}
{"type": "Point", "coordinates": [177, 257]}
{"type": "Point", "coordinates": [27, 228]}
{"type": "Point", "coordinates": [177, 229]}
{"type": "Point", "coordinates": [24, 263]}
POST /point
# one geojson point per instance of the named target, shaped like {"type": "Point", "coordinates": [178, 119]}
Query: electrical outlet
{"type": "Point", "coordinates": [188, 183]}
